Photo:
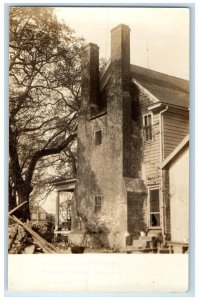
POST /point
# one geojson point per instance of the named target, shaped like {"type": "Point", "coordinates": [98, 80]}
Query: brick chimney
{"type": "Point", "coordinates": [120, 54]}
{"type": "Point", "coordinates": [90, 76]}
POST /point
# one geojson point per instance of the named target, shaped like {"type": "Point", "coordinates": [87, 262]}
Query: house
{"type": "Point", "coordinates": [38, 214]}
{"type": "Point", "coordinates": [177, 167]}
{"type": "Point", "coordinates": [131, 119]}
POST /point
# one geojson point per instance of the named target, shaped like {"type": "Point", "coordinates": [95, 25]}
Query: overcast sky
{"type": "Point", "coordinates": [165, 29]}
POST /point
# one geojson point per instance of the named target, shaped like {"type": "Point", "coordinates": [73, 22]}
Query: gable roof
{"type": "Point", "coordinates": [167, 89]}
{"type": "Point", "coordinates": [175, 152]}
{"type": "Point", "coordinates": [39, 209]}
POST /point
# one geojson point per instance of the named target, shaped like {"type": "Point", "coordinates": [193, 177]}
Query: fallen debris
{"type": "Point", "coordinates": [18, 238]}
{"type": "Point", "coordinates": [29, 249]}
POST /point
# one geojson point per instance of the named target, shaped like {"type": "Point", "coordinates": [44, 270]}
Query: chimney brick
{"type": "Point", "coordinates": [90, 75]}
{"type": "Point", "coordinates": [120, 54]}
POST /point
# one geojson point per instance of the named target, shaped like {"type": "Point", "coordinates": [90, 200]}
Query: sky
{"type": "Point", "coordinates": [165, 30]}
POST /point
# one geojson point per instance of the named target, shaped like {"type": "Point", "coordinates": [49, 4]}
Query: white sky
{"type": "Point", "coordinates": [166, 29]}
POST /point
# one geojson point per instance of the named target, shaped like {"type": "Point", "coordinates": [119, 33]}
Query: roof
{"type": "Point", "coordinates": [64, 184]}
{"type": "Point", "coordinates": [62, 180]}
{"type": "Point", "coordinates": [175, 152]}
{"type": "Point", "coordinates": [39, 209]}
{"type": "Point", "coordinates": [167, 89]}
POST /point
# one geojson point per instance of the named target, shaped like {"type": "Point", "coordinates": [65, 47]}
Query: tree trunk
{"type": "Point", "coordinates": [23, 192]}
{"type": "Point", "coordinates": [12, 198]}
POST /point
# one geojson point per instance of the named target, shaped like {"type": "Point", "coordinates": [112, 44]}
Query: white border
{"type": "Point", "coordinates": [2, 120]}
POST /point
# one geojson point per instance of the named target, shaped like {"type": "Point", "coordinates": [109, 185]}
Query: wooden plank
{"type": "Point", "coordinates": [184, 130]}
{"type": "Point", "coordinates": [173, 142]}
{"type": "Point", "coordinates": [178, 113]}
{"type": "Point", "coordinates": [46, 247]}
{"type": "Point", "coordinates": [154, 154]}
{"type": "Point", "coordinates": [149, 154]}
{"type": "Point", "coordinates": [183, 114]}
{"type": "Point", "coordinates": [176, 117]}
{"type": "Point", "coordinates": [18, 206]}
{"type": "Point", "coordinates": [170, 138]}
{"type": "Point", "coordinates": [173, 122]}
{"type": "Point", "coordinates": [175, 134]}
{"type": "Point", "coordinates": [170, 128]}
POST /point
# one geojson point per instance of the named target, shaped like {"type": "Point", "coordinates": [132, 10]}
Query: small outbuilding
{"type": "Point", "coordinates": [177, 166]}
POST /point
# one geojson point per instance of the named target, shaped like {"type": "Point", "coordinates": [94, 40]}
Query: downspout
{"type": "Point", "coordinates": [161, 172]}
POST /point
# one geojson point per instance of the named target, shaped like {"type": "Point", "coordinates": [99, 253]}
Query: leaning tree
{"type": "Point", "coordinates": [44, 96]}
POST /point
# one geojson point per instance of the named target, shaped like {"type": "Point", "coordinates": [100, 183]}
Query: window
{"type": "Point", "coordinates": [34, 216]}
{"type": "Point", "coordinates": [42, 216]}
{"type": "Point", "coordinates": [98, 137]}
{"type": "Point", "coordinates": [154, 208]}
{"type": "Point", "coordinates": [98, 202]}
{"type": "Point", "coordinates": [147, 126]}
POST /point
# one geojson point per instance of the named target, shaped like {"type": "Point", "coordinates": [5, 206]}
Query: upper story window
{"type": "Point", "coordinates": [98, 203]}
{"type": "Point", "coordinates": [98, 137]}
{"type": "Point", "coordinates": [147, 127]}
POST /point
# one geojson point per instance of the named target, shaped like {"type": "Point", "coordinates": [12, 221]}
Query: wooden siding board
{"type": "Point", "coordinates": [176, 127]}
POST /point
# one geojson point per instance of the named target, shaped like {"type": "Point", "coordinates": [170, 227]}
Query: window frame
{"type": "Point", "coordinates": [149, 206]}
{"type": "Point", "coordinates": [95, 136]}
{"type": "Point", "coordinates": [146, 127]}
{"type": "Point", "coordinates": [97, 205]}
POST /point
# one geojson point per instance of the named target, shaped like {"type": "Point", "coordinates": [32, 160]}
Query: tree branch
{"type": "Point", "coordinates": [46, 152]}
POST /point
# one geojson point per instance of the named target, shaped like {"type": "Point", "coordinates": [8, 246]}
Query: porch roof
{"type": "Point", "coordinates": [64, 184]}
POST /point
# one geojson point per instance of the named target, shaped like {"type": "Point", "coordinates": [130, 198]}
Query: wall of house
{"type": "Point", "coordinates": [148, 154]}
{"type": "Point", "coordinates": [175, 128]}
{"type": "Point", "coordinates": [166, 217]}
{"type": "Point", "coordinates": [100, 173]}
{"type": "Point", "coordinates": [179, 197]}
{"type": "Point", "coordinates": [151, 159]}
{"type": "Point", "coordinates": [136, 214]}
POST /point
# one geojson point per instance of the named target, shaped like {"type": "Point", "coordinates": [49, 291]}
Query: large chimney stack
{"type": "Point", "coordinates": [120, 54]}
{"type": "Point", "coordinates": [90, 75]}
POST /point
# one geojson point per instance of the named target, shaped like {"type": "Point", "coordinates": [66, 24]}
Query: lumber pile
{"type": "Point", "coordinates": [17, 239]}
{"type": "Point", "coordinates": [23, 239]}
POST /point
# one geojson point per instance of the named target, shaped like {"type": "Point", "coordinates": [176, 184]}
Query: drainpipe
{"type": "Point", "coordinates": [161, 173]}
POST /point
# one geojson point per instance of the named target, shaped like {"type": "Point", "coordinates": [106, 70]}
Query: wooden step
{"type": "Point", "coordinates": [148, 238]}
{"type": "Point", "coordinates": [131, 249]}
{"type": "Point", "coordinates": [164, 250]}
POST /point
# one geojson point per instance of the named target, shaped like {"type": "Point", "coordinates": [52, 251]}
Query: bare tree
{"type": "Point", "coordinates": [44, 95]}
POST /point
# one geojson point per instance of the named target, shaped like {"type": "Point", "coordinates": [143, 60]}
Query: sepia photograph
{"type": "Point", "coordinates": [99, 146]}
{"type": "Point", "coordinates": [98, 130]}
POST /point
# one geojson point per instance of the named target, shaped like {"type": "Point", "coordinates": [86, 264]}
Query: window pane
{"type": "Point", "coordinates": [145, 121]}
{"type": "Point", "coordinates": [149, 120]}
{"type": "Point", "coordinates": [42, 216]}
{"type": "Point", "coordinates": [147, 127]}
{"type": "Point", "coordinates": [154, 201]}
{"type": "Point", "coordinates": [155, 219]}
{"type": "Point", "coordinates": [34, 216]}
{"type": "Point", "coordinates": [98, 137]}
{"type": "Point", "coordinates": [150, 133]}
{"type": "Point", "coordinates": [97, 203]}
